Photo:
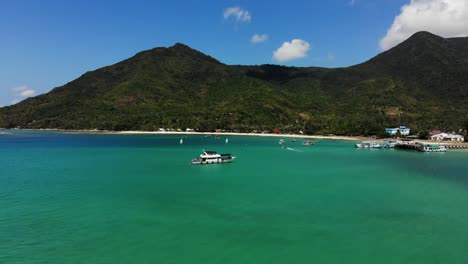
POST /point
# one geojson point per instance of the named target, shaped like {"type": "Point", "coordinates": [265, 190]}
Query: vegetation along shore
{"type": "Point", "coordinates": [421, 83]}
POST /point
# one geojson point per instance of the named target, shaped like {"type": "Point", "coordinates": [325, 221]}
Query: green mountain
{"type": "Point", "coordinates": [422, 83]}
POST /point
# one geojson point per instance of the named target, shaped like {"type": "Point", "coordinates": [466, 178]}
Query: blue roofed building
{"type": "Point", "coordinates": [404, 131]}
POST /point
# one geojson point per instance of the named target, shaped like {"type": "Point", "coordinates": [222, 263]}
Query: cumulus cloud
{"type": "Point", "coordinates": [238, 14]}
{"type": "Point", "coordinates": [23, 91]}
{"type": "Point", "coordinates": [447, 18]}
{"type": "Point", "coordinates": [295, 49]}
{"type": "Point", "coordinates": [14, 101]}
{"type": "Point", "coordinates": [259, 38]}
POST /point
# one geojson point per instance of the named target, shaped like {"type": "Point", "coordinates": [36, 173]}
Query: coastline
{"type": "Point", "coordinates": [137, 132]}
{"type": "Point", "coordinates": [297, 136]}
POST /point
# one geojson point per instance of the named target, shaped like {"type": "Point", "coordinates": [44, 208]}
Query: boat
{"type": "Point", "coordinates": [281, 141]}
{"type": "Point", "coordinates": [368, 144]}
{"type": "Point", "coordinates": [227, 141]}
{"type": "Point", "coordinates": [212, 157]}
{"type": "Point", "coordinates": [432, 148]}
{"type": "Point", "coordinates": [308, 143]}
{"type": "Point", "coordinates": [293, 140]}
{"type": "Point", "coordinates": [181, 141]}
{"type": "Point", "coordinates": [390, 144]}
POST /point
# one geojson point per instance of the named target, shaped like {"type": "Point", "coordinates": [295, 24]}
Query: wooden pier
{"type": "Point", "coordinates": [456, 146]}
{"type": "Point", "coordinates": [408, 146]}
{"type": "Point", "coordinates": [418, 146]}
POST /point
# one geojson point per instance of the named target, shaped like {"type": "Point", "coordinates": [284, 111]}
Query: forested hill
{"type": "Point", "coordinates": [422, 83]}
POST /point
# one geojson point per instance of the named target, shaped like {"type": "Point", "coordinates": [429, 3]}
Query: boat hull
{"type": "Point", "coordinates": [205, 162]}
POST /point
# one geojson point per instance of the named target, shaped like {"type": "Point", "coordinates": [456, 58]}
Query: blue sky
{"type": "Point", "coordinates": [45, 44]}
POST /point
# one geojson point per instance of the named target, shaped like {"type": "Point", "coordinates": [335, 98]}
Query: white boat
{"type": "Point", "coordinates": [181, 141]}
{"type": "Point", "coordinates": [368, 144]}
{"type": "Point", "coordinates": [308, 143]}
{"type": "Point", "coordinates": [432, 148]}
{"type": "Point", "coordinates": [281, 141]}
{"type": "Point", "coordinates": [390, 144]}
{"type": "Point", "coordinates": [212, 157]}
{"type": "Point", "coordinates": [227, 141]}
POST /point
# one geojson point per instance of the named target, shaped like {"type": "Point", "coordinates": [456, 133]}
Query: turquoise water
{"type": "Point", "coordinates": [70, 198]}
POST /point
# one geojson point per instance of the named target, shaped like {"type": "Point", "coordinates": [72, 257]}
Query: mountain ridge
{"type": "Point", "coordinates": [423, 82]}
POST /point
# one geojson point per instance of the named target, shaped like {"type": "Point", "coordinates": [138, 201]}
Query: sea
{"type": "Point", "coordinates": [113, 198]}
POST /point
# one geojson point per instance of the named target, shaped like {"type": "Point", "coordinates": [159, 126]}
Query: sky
{"type": "Point", "coordinates": [48, 43]}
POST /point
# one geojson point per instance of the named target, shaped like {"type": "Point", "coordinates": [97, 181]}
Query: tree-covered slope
{"type": "Point", "coordinates": [422, 82]}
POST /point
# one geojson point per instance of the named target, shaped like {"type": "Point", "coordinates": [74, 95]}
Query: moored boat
{"type": "Point", "coordinates": [390, 144]}
{"type": "Point", "coordinates": [212, 157]}
{"type": "Point", "coordinates": [308, 143]}
{"type": "Point", "coordinates": [432, 148]}
{"type": "Point", "coordinates": [368, 144]}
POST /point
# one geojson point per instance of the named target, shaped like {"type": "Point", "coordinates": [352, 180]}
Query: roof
{"type": "Point", "coordinates": [447, 135]}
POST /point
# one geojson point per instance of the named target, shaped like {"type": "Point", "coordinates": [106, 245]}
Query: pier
{"type": "Point", "coordinates": [408, 146]}
{"type": "Point", "coordinates": [456, 146]}
{"type": "Point", "coordinates": [429, 147]}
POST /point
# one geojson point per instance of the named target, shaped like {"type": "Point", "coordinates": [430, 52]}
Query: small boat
{"type": "Point", "coordinates": [390, 144]}
{"type": "Point", "coordinates": [227, 141]}
{"type": "Point", "coordinates": [212, 157]}
{"type": "Point", "coordinates": [368, 144]}
{"type": "Point", "coordinates": [432, 148]}
{"type": "Point", "coordinates": [308, 143]}
{"type": "Point", "coordinates": [281, 141]}
{"type": "Point", "coordinates": [181, 141]}
{"type": "Point", "coordinates": [293, 140]}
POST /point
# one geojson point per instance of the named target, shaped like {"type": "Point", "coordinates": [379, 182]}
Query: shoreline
{"type": "Point", "coordinates": [298, 136]}
{"type": "Point", "coordinates": [136, 132]}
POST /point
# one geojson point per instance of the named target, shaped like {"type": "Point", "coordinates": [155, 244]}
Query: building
{"type": "Point", "coordinates": [404, 131]}
{"type": "Point", "coordinates": [447, 137]}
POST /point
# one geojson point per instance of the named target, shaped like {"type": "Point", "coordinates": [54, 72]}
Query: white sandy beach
{"type": "Point", "coordinates": [243, 134]}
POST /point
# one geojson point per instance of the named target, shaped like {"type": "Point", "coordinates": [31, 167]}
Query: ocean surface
{"type": "Point", "coordinates": [83, 198]}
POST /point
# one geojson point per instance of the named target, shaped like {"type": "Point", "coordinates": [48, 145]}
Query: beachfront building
{"type": "Point", "coordinates": [447, 137]}
{"type": "Point", "coordinates": [404, 131]}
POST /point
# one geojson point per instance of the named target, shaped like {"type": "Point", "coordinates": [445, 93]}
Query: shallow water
{"type": "Point", "coordinates": [72, 198]}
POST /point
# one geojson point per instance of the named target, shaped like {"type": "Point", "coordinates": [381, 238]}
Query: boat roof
{"type": "Point", "coordinates": [210, 152]}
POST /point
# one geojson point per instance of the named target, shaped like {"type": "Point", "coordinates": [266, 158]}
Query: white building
{"type": "Point", "coordinates": [447, 136]}
{"type": "Point", "coordinates": [404, 131]}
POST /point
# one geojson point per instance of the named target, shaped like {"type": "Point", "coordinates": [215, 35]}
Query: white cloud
{"type": "Point", "coordinates": [27, 93]}
{"type": "Point", "coordinates": [352, 2]}
{"type": "Point", "coordinates": [447, 18]}
{"type": "Point", "coordinates": [331, 57]}
{"type": "Point", "coordinates": [295, 49]}
{"type": "Point", "coordinates": [238, 14]}
{"type": "Point", "coordinates": [14, 101]}
{"type": "Point", "coordinates": [20, 93]}
{"type": "Point", "coordinates": [20, 88]}
{"type": "Point", "coordinates": [259, 38]}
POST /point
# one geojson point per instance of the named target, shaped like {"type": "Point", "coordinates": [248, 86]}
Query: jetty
{"type": "Point", "coordinates": [456, 146]}
{"type": "Point", "coordinates": [429, 146]}
{"type": "Point", "coordinates": [408, 146]}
